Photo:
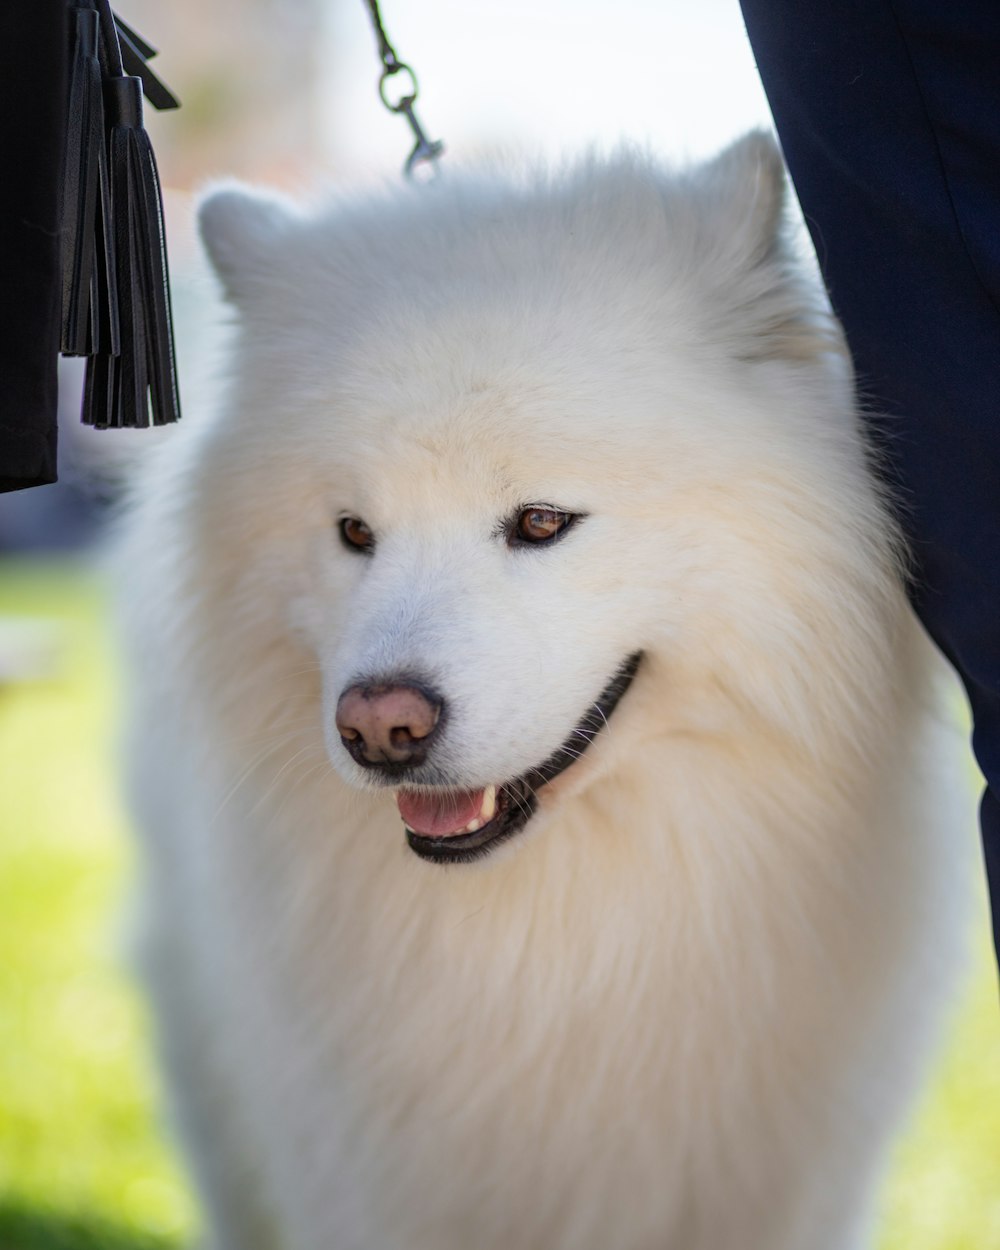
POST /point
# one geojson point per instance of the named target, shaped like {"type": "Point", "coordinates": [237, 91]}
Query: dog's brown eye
{"type": "Point", "coordinates": [356, 535]}
{"type": "Point", "coordinates": [541, 525]}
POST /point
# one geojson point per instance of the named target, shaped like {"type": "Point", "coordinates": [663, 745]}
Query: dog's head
{"type": "Point", "coordinates": [540, 475]}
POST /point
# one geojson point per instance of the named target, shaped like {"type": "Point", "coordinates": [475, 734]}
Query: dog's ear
{"type": "Point", "coordinates": [742, 193]}
{"type": "Point", "coordinates": [239, 228]}
{"type": "Point", "coordinates": [768, 312]}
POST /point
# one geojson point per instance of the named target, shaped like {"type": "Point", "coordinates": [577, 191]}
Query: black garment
{"type": "Point", "coordinates": [889, 115]}
{"type": "Point", "coordinates": [32, 131]}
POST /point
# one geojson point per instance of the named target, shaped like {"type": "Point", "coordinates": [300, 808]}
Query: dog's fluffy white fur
{"type": "Point", "coordinates": [683, 1009]}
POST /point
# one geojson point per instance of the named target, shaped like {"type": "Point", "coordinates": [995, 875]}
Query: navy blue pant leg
{"type": "Point", "coordinates": [889, 116]}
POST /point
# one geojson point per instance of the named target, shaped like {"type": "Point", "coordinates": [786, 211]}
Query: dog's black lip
{"type": "Point", "coordinates": [517, 799]}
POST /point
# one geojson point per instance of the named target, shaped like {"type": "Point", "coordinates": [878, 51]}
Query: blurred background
{"type": "Point", "coordinates": [286, 93]}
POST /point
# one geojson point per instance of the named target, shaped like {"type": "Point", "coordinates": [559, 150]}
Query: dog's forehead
{"type": "Point", "coordinates": [517, 347]}
{"type": "Point", "coordinates": [477, 445]}
{"type": "Point", "coordinates": [442, 412]}
{"type": "Point", "coordinates": [485, 374]}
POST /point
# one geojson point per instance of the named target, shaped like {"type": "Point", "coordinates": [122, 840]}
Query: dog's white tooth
{"type": "Point", "coordinates": [472, 826]}
{"type": "Point", "coordinates": [489, 807]}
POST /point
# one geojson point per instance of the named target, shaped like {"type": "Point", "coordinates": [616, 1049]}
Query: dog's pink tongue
{"type": "Point", "coordinates": [438, 815]}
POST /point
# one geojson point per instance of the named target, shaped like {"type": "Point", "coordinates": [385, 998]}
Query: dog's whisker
{"type": "Point", "coordinates": [303, 752]}
{"type": "Point", "coordinates": [273, 746]}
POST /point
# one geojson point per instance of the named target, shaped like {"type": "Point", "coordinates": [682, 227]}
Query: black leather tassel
{"type": "Point", "coordinates": [104, 320]}
{"type": "Point", "coordinates": [116, 294]}
{"type": "Point", "coordinates": [145, 364]}
{"type": "Point", "coordinates": [85, 163]}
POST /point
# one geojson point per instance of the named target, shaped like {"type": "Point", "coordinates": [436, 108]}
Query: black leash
{"type": "Point", "coordinates": [425, 151]}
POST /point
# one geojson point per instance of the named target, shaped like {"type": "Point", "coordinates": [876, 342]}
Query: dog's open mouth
{"type": "Point", "coordinates": [454, 826]}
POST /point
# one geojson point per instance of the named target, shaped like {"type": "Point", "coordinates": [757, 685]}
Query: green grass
{"type": "Point", "coordinates": [83, 1164]}
{"type": "Point", "coordinates": [944, 1189]}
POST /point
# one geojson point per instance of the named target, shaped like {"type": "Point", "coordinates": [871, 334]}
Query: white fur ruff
{"type": "Point", "coordinates": [685, 1008]}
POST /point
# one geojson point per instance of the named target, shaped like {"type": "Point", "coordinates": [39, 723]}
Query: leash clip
{"type": "Point", "coordinates": [425, 151]}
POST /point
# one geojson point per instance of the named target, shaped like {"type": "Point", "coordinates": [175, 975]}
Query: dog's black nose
{"type": "Point", "coordinates": [388, 724]}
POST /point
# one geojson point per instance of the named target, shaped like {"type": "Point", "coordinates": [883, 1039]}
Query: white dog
{"type": "Point", "coordinates": [530, 735]}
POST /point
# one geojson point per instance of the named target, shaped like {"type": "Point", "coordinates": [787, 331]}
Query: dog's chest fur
{"type": "Point", "coordinates": [564, 1051]}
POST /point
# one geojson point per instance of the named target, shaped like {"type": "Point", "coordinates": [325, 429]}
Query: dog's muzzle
{"type": "Point", "coordinates": [390, 728]}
